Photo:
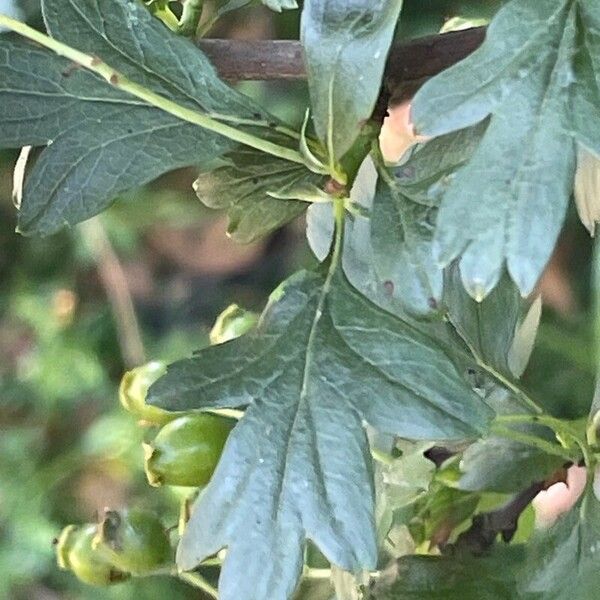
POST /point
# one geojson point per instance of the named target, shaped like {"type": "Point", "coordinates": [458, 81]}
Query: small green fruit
{"type": "Point", "coordinates": [134, 388]}
{"type": "Point", "coordinates": [134, 541]}
{"type": "Point", "coordinates": [75, 552]}
{"type": "Point", "coordinates": [232, 323]}
{"type": "Point", "coordinates": [186, 451]}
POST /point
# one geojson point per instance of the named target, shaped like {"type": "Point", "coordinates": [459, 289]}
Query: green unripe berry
{"type": "Point", "coordinates": [134, 388]}
{"type": "Point", "coordinates": [186, 451]}
{"type": "Point", "coordinates": [75, 552]}
{"type": "Point", "coordinates": [134, 541]}
{"type": "Point", "coordinates": [232, 323]}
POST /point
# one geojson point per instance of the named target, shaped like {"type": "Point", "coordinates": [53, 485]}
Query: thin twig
{"type": "Point", "coordinates": [114, 282]}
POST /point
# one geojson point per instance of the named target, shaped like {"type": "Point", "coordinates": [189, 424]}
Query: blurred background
{"type": "Point", "coordinates": [146, 281]}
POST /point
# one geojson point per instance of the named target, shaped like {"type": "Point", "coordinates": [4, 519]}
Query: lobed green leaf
{"type": "Point", "coordinates": [322, 361]}
{"type": "Point", "coordinates": [345, 45]}
{"type": "Point", "coordinates": [101, 141]}
{"type": "Point", "coordinates": [534, 76]}
{"type": "Point", "coordinates": [250, 185]}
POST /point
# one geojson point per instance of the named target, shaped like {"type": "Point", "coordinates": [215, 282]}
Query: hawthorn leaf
{"type": "Point", "coordinates": [456, 577]}
{"type": "Point", "coordinates": [403, 219]}
{"type": "Point", "coordinates": [507, 206]}
{"type": "Point", "coordinates": [393, 269]}
{"type": "Point", "coordinates": [440, 512]}
{"type": "Point", "coordinates": [345, 45]}
{"type": "Point", "coordinates": [562, 561]}
{"type": "Point", "coordinates": [322, 361]}
{"type": "Point", "coordinates": [251, 185]}
{"type": "Point", "coordinates": [101, 141]}
{"type": "Point", "coordinates": [489, 327]}
{"type": "Point", "coordinates": [496, 464]}
{"type": "Point", "coordinates": [398, 483]}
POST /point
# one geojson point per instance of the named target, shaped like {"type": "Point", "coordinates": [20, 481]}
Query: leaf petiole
{"type": "Point", "coordinates": [534, 441]}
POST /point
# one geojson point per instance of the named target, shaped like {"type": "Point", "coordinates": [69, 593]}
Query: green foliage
{"type": "Point", "coordinates": [568, 547]}
{"type": "Point", "coordinates": [345, 48]}
{"type": "Point", "coordinates": [496, 464]}
{"type": "Point", "coordinates": [453, 578]}
{"type": "Point", "coordinates": [379, 416]}
{"type": "Point", "coordinates": [403, 216]}
{"type": "Point", "coordinates": [254, 190]}
{"type": "Point", "coordinates": [113, 142]}
{"type": "Point", "coordinates": [525, 77]}
{"type": "Point", "coordinates": [322, 359]}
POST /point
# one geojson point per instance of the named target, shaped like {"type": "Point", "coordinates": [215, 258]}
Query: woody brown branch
{"type": "Point", "coordinates": [408, 64]}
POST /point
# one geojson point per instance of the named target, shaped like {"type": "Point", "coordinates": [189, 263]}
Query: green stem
{"type": "Point", "coordinates": [532, 440]}
{"type": "Point", "coordinates": [190, 17]}
{"type": "Point", "coordinates": [198, 581]}
{"type": "Point", "coordinates": [339, 216]}
{"type": "Point", "coordinates": [166, 16]}
{"type": "Point", "coordinates": [119, 81]}
{"type": "Point", "coordinates": [257, 123]}
{"type": "Point", "coordinates": [520, 394]}
{"type": "Point", "coordinates": [557, 425]}
{"type": "Point", "coordinates": [588, 456]}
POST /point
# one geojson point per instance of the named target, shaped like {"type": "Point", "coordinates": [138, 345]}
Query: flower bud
{"type": "Point", "coordinates": [232, 323]}
{"type": "Point", "coordinates": [134, 541]}
{"type": "Point", "coordinates": [75, 552]}
{"type": "Point", "coordinates": [134, 388]}
{"type": "Point", "coordinates": [186, 451]}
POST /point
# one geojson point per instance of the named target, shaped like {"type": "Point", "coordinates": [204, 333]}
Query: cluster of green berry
{"type": "Point", "coordinates": [121, 544]}
{"type": "Point", "coordinates": [184, 451]}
